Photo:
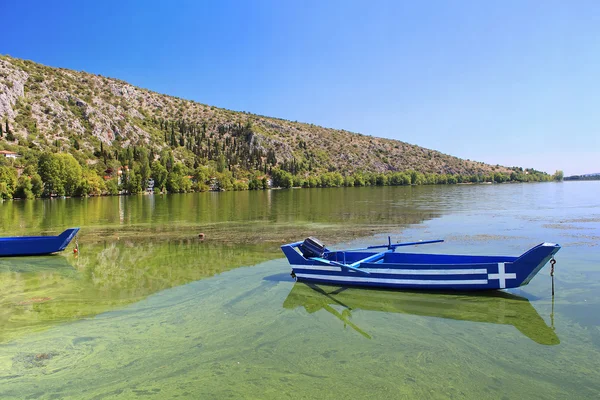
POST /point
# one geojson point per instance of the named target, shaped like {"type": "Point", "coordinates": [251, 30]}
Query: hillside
{"type": "Point", "coordinates": [106, 123]}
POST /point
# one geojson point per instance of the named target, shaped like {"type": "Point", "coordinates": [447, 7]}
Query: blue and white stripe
{"type": "Point", "coordinates": [433, 278]}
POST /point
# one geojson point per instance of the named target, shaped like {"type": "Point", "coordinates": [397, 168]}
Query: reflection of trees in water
{"type": "Point", "coordinates": [340, 206]}
{"type": "Point", "coordinates": [37, 294]}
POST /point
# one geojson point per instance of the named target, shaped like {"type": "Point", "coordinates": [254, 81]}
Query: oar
{"type": "Point", "coordinates": [338, 264]}
{"type": "Point", "coordinates": [393, 246]}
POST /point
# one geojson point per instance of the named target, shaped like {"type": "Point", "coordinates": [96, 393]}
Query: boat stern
{"type": "Point", "coordinates": [293, 254]}
{"type": "Point", "coordinates": [535, 259]}
{"type": "Point", "coordinates": [65, 238]}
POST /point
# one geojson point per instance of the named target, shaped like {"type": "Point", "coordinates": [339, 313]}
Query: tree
{"type": "Point", "coordinates": [49, 171]}
{"type": "Point", "coordinates": [298, 181]}
{"type": "Point", "coordinates": [201, 177]}
{"type": "Point", "coordinates": [281, 178]}
{"type": "Point", "coordinates": [24, 188]}
{"type": "Point", "coordinates": [159, 174]}
{"type": "Point", "coordinates": [61, 174]}
{"type": "Point", "coordinates": [144, 167]}
{"type": "Point", "coordinates": [225, 180]}
{"type": "Point", "coordinates": [359, 179]}
{"type": "Point", "coordinates": [9, 134]}
{"type": "Point", "coordinates": [240, 185]}
{"type": "Point", "coordinates": [133, 184]}
{"type": "Point", "coordinates": [8, 182]}
{"type": "Point", "coordinates": [91, 184]}
{"type": "Point", "coordinates": [349, 181]}
{"type": "Point", "coordinates": [71, 173]}
{"type": "Point", "coordinates": [271, 159]}
{"type": "Point", "coordinates": [37, 185]}
{"type": "Point", "coordinates": [167, 159]}
{"type": "Point", "coordinates": [112, 186]}
{"type": "Point", "coordinates": [313, 182]}
{"type": "Point", "coordinates": [221, 163]}
{"type": "Point", "coordinates": [5, 193]}
{"type": "Point", "coordinates": [382, 180]}
{"type": "Point", "coordinates": [558, 176]}
{"type": "Point", "coordinates": [177, 180]}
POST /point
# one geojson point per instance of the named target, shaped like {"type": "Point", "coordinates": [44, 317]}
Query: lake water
{"type": "Point", "coordinates": [147, 309]}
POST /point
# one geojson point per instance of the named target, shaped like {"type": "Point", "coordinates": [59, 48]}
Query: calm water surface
{"type": "Point", "coordinates": [149, 310]}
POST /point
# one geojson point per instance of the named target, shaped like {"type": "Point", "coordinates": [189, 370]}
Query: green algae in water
{"type": "Point", "coordinates": [39, 292]}
{"type": "Point", "coordinates": [142, 313]}
{"type": "Point", "coordinates": [235, 335]}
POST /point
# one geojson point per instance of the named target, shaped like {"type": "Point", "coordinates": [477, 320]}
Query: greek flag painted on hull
{"type": "Point", "coordinates": [313, 262]}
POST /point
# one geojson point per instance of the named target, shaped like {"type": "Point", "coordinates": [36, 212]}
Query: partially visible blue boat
{"type": "Point", "coordinates": [35, 245]}
{"type": "Point", "coordinates": [312, 262]}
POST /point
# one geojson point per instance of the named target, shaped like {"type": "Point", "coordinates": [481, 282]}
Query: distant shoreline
{"type": "Point", "coordinates": [157, 193]}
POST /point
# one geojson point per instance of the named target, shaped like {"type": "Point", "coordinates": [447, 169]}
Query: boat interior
{"type": "Point", "coordinates": [348, 257]}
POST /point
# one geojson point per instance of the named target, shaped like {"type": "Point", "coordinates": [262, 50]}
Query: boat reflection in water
{"type": "Point", "coordinates": [494, 307]}
{"type": "Point", "coordinates": [35, 265]}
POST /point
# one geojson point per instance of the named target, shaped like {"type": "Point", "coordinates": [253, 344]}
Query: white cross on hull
{"type": "Point", "coordinates": [502, 276]}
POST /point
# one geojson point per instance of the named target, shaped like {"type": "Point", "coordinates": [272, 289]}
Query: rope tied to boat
{"type": "Point", "coordinates": [552, 262]}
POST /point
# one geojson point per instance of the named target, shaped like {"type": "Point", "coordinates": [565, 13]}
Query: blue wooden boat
{"type": "Point", "coordinates": [35, 245]}
{"type": "Point", "coordinates": [312, 262]}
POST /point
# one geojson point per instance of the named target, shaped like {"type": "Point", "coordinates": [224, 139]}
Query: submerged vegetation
{"type": "Point", "coordinates": [119, 321]}
{"type": "Point", "coordinates": [104, 278]}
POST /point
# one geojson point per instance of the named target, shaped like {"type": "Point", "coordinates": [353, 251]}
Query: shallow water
{"type": "Point", "coordinates": [148, 310]}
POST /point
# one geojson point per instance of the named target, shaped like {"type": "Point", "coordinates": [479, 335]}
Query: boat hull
{"type": "Point", "coordinates": [420, 271]}
{"type": "Point", "coordinates": [35, 245]}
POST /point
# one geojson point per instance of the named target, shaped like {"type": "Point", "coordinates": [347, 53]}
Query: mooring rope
{"type": "Point", "coordinates": [552, 262]}
{"type": "Point", "coordinates": [76, 249]}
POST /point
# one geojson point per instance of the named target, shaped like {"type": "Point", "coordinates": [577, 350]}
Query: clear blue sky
{"type": "Point", "coordinates": [505, 82]}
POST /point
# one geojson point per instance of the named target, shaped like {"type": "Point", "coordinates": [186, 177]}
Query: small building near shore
{"type": "Point", "coordinates": [9, 154]}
